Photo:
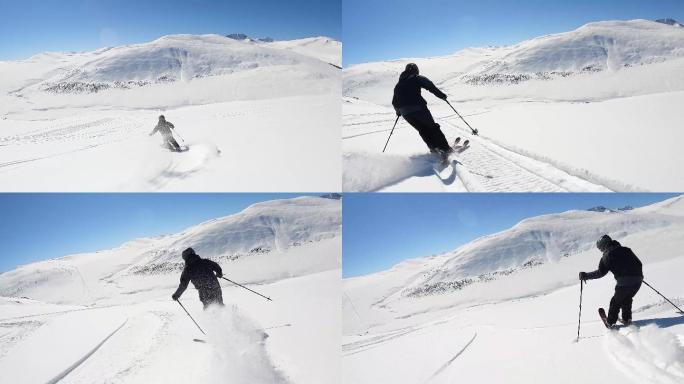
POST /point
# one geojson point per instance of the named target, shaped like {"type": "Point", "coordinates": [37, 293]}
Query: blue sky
{"type": "Point", "coordinates": [381, 230]}
{"type": "Point", "coordinates": [28, 27]}
{"type": "Point", "coordinates": [376, 30]}
{"type": "Point", "coordinates": [41, 226]}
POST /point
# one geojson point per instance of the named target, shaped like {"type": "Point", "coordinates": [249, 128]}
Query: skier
{"type": "Point", "coordinates": [408, 103]}
{"type": "Point", "coordinates": [626, 269]}
{"type": "Point", "coordinates": [204, 275]}
{"type": "Point", "coordinates": [164, 127]}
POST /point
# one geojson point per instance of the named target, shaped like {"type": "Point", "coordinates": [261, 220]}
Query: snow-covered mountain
{"type": "Point", "coordinates": [168, 59]}
{"type": "Point", "coordinates": [266, 242]}
{"type": "Point", "coordinates": [225, 97]}
{"type": "Point", "coordinates": [510, 300]}
{"type": "Point", "coordinates": [595, 47]}
{"type": "Point", "coordinates": [322, 48]}
{"type": "Point", "coordinates": [547, 240]}
{"type": "Point", "coordinates": [108, 316]}
{"type": "Point", "coordinates": [670, 21]}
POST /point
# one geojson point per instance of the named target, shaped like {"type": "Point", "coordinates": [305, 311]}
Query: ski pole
{"type": "Point", "coordinates": [668, 300]}
{"type": "Point", "coordinates": [390, 135]}
{"type": "Point", "coordinates": [579, 319]}
{"type": "Point", "coordinates": [473, 130]}
{"type": "Point", "coordinates": [193, 320]}
{"type": "Point", "coordinates": [242, 286]}
{"type": "Point", "coordinates": [181, 137]}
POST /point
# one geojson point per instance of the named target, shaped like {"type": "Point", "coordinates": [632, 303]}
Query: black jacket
{"type": "Point", "coordinates": [622, 262]}
{"type": "Point", "coordinates": [164, 127]}
{"type": "Point", "coordinates": [203, 273]}
{"type": "Point", "coordinates": [407, 96]}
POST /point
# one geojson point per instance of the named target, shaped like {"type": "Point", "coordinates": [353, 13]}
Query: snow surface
{"type": "Point", "coordinates": [587, 110]}
{"type": "Point", "coordinates": [513, 318]}
{"type": "Point", "coordinates": [322, 48]}
{"type": "Point", "coordinates": [108, 317]}
{"type": "Point", "coordinates": [79, 121]}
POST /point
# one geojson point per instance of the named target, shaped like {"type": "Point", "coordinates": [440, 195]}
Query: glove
{"type": "Point", "coordinates": [219, 275]}
{"type": "Point", "coordinates": [398, 113]}
{"type": "Point", "coordinates": [583, 276]}
{"type": "Point", "coordinates": [175, 296]}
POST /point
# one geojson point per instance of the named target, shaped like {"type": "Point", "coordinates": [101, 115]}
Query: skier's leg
{"type": "Point", "coordinates": [627, 304]}
{"type": "Point", "coordinates": [615, 305]}
{"type": "Point", "coordinates": [419, 125]}
{"type": "Point", "coordinates": [174, 144]}
{"type": "Point", "coordinates": [167, 144]}
{"type": "Point", "coordinates": [437, 136]}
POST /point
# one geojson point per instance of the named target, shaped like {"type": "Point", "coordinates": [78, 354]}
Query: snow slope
{"type": "Point", "coordinates": [113, 311]}
{"type": "Point", "coordinates": [606, 83]}
{"type": "Point", "coordinates": [65, 114]}
{"type": "Point", "coordinates": [322, 48]}
{"type": "Point", "coordinates": [503, 308]}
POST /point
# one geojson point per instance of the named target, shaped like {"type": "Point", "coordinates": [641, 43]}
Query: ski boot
{"type": "Point", "coordinates": [624, 322]}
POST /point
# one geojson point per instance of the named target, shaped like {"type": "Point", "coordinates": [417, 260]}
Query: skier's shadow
{"type": "Point", "coordinates": [451, 177]}
{"type": "Point", "coordinates": [425, 167]}
{"type": "Point", "coordinates": [663, 322]}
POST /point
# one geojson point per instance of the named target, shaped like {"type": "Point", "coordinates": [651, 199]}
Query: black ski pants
{"type": "Point", "coordinates": [622, 300]}
{"type": "Point", "coordinates": [429, 131]}
{"type": "Point", "coordinates": [211, 297]}
{"type": "Point", "coordinates": [171, 143]}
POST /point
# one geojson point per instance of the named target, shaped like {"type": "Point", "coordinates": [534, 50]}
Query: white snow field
{"type": "Point", "coordinates": [257, 116]}
{"type": "Point", "coordinates": [593, 109]}
{"type": "Point", "coordinates": [108, 317]}
{"type": "Point", "coordinates": [504, 308]}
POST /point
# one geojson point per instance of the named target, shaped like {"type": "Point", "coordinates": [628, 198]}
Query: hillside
{"type": "Point", "coordinates": [515, 293]}
{"type": "Point", "coordinates": [545, 108]}
{"type": "Point", "coordinates": [68, 118]}
{"type": "Point", "coordinates": [108, 316]}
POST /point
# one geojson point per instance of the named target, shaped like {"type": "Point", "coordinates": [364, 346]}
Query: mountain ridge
{"type": "Point", "coordinates": [266, 241]}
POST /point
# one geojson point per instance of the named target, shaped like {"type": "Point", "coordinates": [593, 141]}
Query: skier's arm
{"type": "Point", "coordinates": [171, 125]}
{"type": "Point", "coordinates": [184, 280]}
{"type": "Point", "coordinates": [597, 274]}
{"type": "Point", "coordinates": [156, 128]}
{"type": "Point", "coordinates": [216, 268]}
{"type": "Point", "coordinates": [427, 84]}
{"type": "Point", "coordinates": [394, 104]}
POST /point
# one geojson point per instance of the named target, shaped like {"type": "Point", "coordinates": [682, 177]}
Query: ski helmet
{"type": "Point", "coordinates": [411, 68]}
{"type": "Point", "coordinates": [603, 243]}
{"type": "Point", "coordinates": [161, 117]}
{"type": "Point", "coordinates": [187, 253]}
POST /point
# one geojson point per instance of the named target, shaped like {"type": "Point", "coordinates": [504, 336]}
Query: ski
{"type": "Point", "coordinates": [604, 318]}
{"type": "Point", "coordinates": [444, 158]}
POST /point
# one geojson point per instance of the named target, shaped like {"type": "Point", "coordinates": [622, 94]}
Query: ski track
{"type": "Point", "coordinates": [139, 352]}
{"type": "Point", "coordinates": [69, 135]}
{"type": "Point", "coordinates": [375, 341]}
{"type": "Point", "coordinates": [79, 129]}
{"type": "Point", "coordinates": [18, 331]}
{"type": "Point", "coordinates": [485, 166]}
{"type": "Point", "coordinates": [87, 133]}
{"type": "Point", "coordinates": [80, 361]}
{"type": "Point", "coordinates": [184, 164]}
{"type": "Point", "coordinates": [448, 363]}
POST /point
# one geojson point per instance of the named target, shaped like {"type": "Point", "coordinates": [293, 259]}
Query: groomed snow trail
{"type": "Point", "coordinates": [484, 167]}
